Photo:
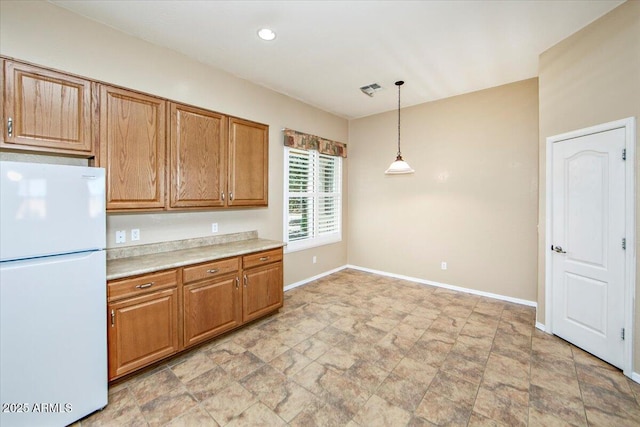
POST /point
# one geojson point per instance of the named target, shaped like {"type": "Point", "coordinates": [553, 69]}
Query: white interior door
{"type": "Point", "coordinates": [588, 259]}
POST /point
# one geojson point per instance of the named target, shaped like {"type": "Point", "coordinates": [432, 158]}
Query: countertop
{"type": "Point", "coordinates": [149, 263]}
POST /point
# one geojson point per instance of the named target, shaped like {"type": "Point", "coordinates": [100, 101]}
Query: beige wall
{"type": "Point", "coordinates": [590, 78]}
{"type": "Point", "coordinates": [44, 34]}
{"type": "Point", "coordinates": [472, 201]}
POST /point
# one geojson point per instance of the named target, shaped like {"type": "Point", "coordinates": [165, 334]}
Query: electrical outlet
{"type": "Point", "coordinates": [121, 236]}
{"type": "Point", "coordinates": [315, 259]}
{"type": "Point", "coordinates": [214, 227]}
{"type": "Point", "coordinates": [135, 234]}
{"type": "Point", "coordinates": [443, 265]}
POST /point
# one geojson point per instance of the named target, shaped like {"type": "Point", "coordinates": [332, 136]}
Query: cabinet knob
{"type": "Point", "coordinates": [222, 196]}
{"type": "Point", "coordinates": [231, 196]}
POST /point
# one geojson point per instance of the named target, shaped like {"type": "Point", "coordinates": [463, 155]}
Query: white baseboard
{"type": "Point", "coordinates": [541, 326]}
{"type": "Point", "coordinates": [311, 279]}
{"type": "Point", "coordinates": [446, 286]}
{"type": "Point", "coordinates": [635, 377]}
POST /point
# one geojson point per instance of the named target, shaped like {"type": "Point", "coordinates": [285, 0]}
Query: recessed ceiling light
{"type": "Point", "coordinates": [266, 34]}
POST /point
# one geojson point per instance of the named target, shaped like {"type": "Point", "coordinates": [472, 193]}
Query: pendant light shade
{"type": "Point", "coordinates": [399, 166]}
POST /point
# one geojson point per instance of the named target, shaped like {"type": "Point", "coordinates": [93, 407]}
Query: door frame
{"type": "Point", "coordinates": [629, 124]}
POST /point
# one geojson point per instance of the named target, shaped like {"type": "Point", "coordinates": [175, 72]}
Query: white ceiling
{"type": "Point", "coordinates": [326, 50]}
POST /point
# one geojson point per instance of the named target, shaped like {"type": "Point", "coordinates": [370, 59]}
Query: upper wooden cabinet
{"type": "Point", "coordinates": [132, 149]}
{"type": "Point", "coordinates": [198, 157]}
{"type": "Point", "coordinates": [158, 154]}
{"type": "Point", "coordinates": [46, 111]}
{"type": "Point", "coordinates": [248, 183]}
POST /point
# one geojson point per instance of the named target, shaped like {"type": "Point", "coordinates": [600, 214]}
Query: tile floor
{"type": "Point", "coordinates": [356, 349]}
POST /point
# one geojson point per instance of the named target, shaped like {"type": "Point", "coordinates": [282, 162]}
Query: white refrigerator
{"type": "Point", "coordinates": [53, 344]}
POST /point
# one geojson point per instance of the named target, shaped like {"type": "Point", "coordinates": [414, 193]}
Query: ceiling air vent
{"type": "Point", "coordinates": [371, 89]}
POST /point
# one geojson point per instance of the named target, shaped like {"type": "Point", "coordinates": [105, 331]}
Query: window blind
{"type": "Point", "coordinates": [313, 199]}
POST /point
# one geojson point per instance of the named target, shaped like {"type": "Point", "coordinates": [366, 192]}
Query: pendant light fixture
{"type": "Point", "coordinates": [399, 166]}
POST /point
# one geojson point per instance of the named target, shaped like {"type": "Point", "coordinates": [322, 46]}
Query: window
{"type": "Point", "coordinates": [313, 199]}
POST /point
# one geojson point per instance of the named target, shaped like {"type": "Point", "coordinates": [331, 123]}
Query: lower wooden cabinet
{"type": "Point", "coordinates": [157, 315]}
{"type": "Point", "coordinates": [263, 291]}
{"type": "Point", "coordinates": [142, 330]}
{"type": "Point", "coordinates": [262, 283]}
{"type": "Point", "coordinates": [211, 307]}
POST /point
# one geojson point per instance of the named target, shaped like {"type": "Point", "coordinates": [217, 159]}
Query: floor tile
{"type": "Point", "coordinates": [442, 411]}
{"type": "Point", "coordinates": [154, 386]}
{"type": "Point", "coordinates": [401, 392]}
{"type": "Point", "coordinates": [567, 408]}
{"type": "Point", "coordinates": [242, 365]}
{"type": "Point", "coordinates": [229, 403]}
{"type": "Point", "coordinates": [500, 408]}
{"type": "Point", "coordinates": [290, 362]}
{"type": "Point", "coordinates": [196, 417]}
{"type": "Point", "coordinates": [168, 406]}
{"type": "Point", "coordinates": [121, 410]}
{"type": "Point", "coordinates": [193, 366]}
{"type": "Point", "coordinates": [208, 384]}
{"type": "Point", "coordinates": [288, 400]}
{"type": "Point", "coordinates": [454, 388]}
{"type": "Point", "coordinates": [257, 415]}
{"type": "Point", "coordinates": [377, 412]}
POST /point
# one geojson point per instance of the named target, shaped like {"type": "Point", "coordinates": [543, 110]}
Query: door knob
{"type": "Point", "coordinates": [558, 249]}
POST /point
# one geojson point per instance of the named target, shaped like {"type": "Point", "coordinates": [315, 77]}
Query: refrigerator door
{"type": "Point", "coordinates": [53, 346]}
{"type": "Point", "coordinates": [50, 209]}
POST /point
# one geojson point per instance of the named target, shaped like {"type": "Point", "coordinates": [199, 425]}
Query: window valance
{"type": "Point", "coordinates": [304, 141]}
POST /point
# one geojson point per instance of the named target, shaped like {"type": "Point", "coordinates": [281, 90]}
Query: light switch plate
{"type": "Point", "coordinates": [121, 236]}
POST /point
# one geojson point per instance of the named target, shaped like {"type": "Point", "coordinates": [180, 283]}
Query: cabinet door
{"type": "Point", "coordinates": [248, 163]}
{"type": "Point", "coordinates": [197, 156]}
{"type": "Point", "coordinates": [132, 145]}
{"type": "Point", "coordinates": [210, 308]}
{"type": "Point", "coordinates": [263, 291]}
{"type": "Point", "coordinates": [46, 110]}
{"type": "Point", "coordinates": [142, 330]}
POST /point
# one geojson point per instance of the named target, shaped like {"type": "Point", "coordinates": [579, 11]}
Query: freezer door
{"type": "Point", "coordinates": [53, 343]}
{"type": "Point", "coordinates": [50, 209]}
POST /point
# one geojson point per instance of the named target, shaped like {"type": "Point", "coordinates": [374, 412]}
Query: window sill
{"type": "Point", "coordinates": [309, 244]}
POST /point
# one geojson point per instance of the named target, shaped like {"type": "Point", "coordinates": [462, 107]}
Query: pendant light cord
{"type": "Point", "coordinates": [399, 83]}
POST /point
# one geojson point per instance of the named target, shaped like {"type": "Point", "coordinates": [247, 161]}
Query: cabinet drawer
{"type": "Point", "coordinates": [118, 289]}
{"type": "Point", "coordinates": [210, 269]}
{"type": "Point", "coordinates": [262, 258]}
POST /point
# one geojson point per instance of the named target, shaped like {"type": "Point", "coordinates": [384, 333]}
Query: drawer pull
{"type": "Point", "coordinates": [213, 271]}
{"type": "Point", "coordinates": [237, 282]}
{"type": "Point", "coordinates": [264, 258]}
{"type": "Point", "coordinates": [10, 127]}
{"type": "Point", "coordinates": [113, 318]}
{"type": "Point", "coordinates": [145, 286]}
{"type": "Point", "coordinates": [246, 280]}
